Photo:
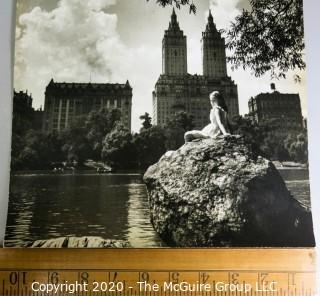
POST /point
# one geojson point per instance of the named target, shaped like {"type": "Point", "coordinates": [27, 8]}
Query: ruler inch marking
{"type": "Point", "coordinates": [160, 270]}
{"type": "Point", "coordinates": [228, 276]}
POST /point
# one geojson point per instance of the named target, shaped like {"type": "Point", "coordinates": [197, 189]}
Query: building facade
{"type": "Point", "coordinates": [24, 112]}
{"type": "Point", "coordinates": [176, 90]}
{"type": "Point", "coordinates": [281, 109]}
{"type": "Point", "coordinates": [22, 99]}
{"type": "Point", "coordinates": [213, 51]}
{"type": "Point", "coordinates": [64, 102]}
{"type": "Point", "coordinates": [174, 49]}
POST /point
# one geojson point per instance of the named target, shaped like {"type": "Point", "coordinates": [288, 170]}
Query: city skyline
{"type": "Point", "coordinates": [80, 51]}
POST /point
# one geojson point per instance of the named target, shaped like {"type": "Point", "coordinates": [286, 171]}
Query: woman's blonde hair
{"type": "Point", "coordinates": [218, 98]}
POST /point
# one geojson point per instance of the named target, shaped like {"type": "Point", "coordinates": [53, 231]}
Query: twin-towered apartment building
{"type": "Point", "coordinates": [177, 90]}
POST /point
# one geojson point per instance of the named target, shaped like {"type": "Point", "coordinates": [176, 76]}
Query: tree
{"type": "Point", "coordinates": [53, 143]}
{"type": "Point", "coordinates": [98, 124]}
{"type": "Point", "coordinates": [118, 150]}
{"type": "Point", "coordinates": [150, 145]}
{"type": "Point", "coordinates": [175, 129]}
{"type": "Point", "coordinates": [273, 146]}
{"type": "Point", "coordinates": [297, 146]}
{"type": "Point", "coordinates": [178, 4]}
{"type": "Point", "coordinates": [39, 150]}
{"type": "Point", "coordinates": [269, 37]}
{"type": "Point", "coordinates": [22, 117]}
{"type": "Point", "coordinates": [76, 146]}
{"type": "Point", "coordinates": [249, 130]}
{"type": "Point", "coordinates": [264, 138]}
{"type": "Point", "coordinates": [268, 140]}
{"type": "Point", "coordinates": [146, 124]}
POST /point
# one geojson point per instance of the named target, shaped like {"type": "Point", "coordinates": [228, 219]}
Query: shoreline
{"type": "Point", "coordinates": [81, 172]}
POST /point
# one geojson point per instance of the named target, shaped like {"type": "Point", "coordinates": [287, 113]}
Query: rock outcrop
{"type": "Point", "coordinates": [218, 192]}
{"type": "Point", "coordinates": [78, 242]}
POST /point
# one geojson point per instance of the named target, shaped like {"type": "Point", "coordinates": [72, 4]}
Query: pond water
{"type": "Point", "coordinates": [112, 206]}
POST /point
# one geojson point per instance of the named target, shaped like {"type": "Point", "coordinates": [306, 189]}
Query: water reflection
{"type": "Point", "coordinates": [49, 206]}
{"type": "Point", "coordinates": [110, 206]}
{"type": "Point", "coordinates": [139, 228]}
{"type": "Point", "coordinates": [297, 181]}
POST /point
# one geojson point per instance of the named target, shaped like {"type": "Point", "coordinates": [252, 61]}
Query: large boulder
{"type": "Point", "coordinates": [219, 192]}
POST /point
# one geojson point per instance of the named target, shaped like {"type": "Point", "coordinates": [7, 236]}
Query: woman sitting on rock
{"type": "Point", "coordinates": [218, 120]}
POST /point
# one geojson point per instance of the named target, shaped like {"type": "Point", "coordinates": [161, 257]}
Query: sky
{"type": "Point", "coordinates": [110, 41]}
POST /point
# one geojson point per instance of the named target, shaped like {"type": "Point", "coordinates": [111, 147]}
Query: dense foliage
{"type": "Point", "coordinates": [269, 37]}
{"type": "Point", "coordinates": [272, 142]}
{"type": "Point", "coordinates": [175, 129]}
{"type": "Point", "coordinates": [101, 137]}
{"type": "Point", "coordinates": [118, 150]}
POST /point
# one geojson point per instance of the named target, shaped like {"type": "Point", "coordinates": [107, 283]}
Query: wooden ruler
{"type": "Point", "coordinates": [215, 272]}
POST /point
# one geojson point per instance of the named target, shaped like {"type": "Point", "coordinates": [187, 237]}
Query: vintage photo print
{"type": "Point", "coordinates": [155, 123]}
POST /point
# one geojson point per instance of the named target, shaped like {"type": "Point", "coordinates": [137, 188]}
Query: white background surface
{"type": "Point", "coordinates": [6, 52]}
{"type": "Point", "coordinates": [312, 27]}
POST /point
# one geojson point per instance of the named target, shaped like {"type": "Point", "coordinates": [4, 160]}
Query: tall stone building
{"type": "Point", "coordinates": [174, 49]}
{"type": "Point", "coordinates": [66, 101]}
{"type": "Point", "coordinates": [213, 51]}
{"type": "Point", "coordinates": [176, 90]}
{"type": "Point", "coordinates": [284, 110]}
{"type": "Point", "coordinates": [23, 112]}
{"type": "Point", "coordinates": [23, 100]}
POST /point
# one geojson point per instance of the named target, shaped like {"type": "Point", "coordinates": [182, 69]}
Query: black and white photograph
{"type": "Point", "coordinates": [159, 124]}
